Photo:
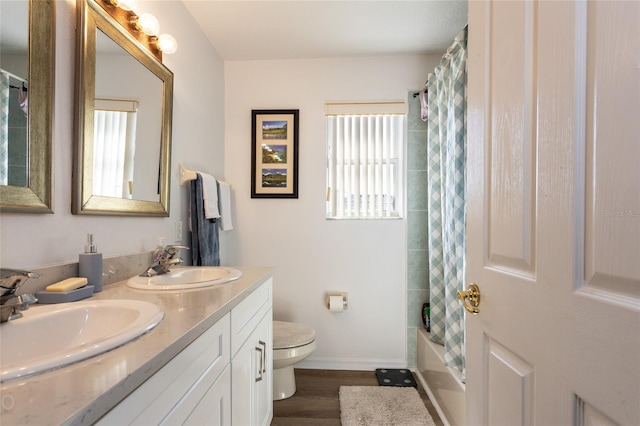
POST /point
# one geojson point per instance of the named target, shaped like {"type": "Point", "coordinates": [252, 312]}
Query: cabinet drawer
{"type": "Point", "coordinates": [247, 315]}
{"type": "Point", "coordinates": [172, 385]}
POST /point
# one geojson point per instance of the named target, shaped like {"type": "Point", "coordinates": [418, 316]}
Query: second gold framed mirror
{"type": "Point", "coordinates": [124, 95]}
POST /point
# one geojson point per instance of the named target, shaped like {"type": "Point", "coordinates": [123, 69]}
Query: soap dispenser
{"type": "Point", "coordinates": [90, 265]}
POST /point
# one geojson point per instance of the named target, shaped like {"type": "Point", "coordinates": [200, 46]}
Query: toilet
{"type": "Point", "coordinates": [291, 344]}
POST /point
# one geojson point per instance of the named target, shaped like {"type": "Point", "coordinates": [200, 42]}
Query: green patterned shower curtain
{"type": "Point", "coordinates": [446, 149]}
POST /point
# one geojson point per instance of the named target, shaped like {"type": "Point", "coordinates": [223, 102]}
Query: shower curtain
{"type": "Point", "coordinates": [4, 128]}
{"type": "Point", "coordinates": [446, 150]}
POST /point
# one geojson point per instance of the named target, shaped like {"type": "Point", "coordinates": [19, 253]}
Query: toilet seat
{"type": "Point", "coordinates": [288, 335]}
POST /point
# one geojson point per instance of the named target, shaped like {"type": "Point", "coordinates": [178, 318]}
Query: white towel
{"type": "Point", "coordinates": [209, 196]}
{"type": "Point", "coordinates": [224, 203]}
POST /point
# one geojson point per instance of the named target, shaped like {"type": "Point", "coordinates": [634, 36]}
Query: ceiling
{"type": "Point", "coordinates": [304, 29]}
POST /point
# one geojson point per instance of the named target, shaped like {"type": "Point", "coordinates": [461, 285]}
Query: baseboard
{"type": "Point", "coordinates": [355, 364]}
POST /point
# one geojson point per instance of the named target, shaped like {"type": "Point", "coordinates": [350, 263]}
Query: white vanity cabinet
{"type": "Point", "coordinates": [252, 364]}
{"type": "Point", "coordinates": [224, 377]}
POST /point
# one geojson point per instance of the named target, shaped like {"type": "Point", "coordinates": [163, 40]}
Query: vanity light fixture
{"type": "Point", "coordinates": [144, 26]}
{"type": "Point", "coordinates": [146, 22]}
{"type": "Point", "coordinates": [127, 5]}
{"type": "Point", "coordinates": [165, 43]}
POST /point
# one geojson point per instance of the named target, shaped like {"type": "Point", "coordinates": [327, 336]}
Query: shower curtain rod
{"type": "Point", "coordinates": [11, 86]}
{"type": "Point", "coordinates": [17, 77]}
{"type": "Point", "coordinates": [459, 37]}
{"type": "Point", "coordinates": [415, 94]}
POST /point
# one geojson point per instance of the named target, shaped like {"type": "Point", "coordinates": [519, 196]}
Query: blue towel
{"type": "Point", "coordinates": [205, 244]}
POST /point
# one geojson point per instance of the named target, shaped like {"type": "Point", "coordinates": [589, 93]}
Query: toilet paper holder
{"type": "Point", "coordinates": [343, 295]}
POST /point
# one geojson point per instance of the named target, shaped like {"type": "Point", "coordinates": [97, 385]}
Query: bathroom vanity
{"type": "Point", "coordinates": [181, 372]}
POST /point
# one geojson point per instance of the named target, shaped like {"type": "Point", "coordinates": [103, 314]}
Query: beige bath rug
{"type": "Point", "coordinates": [382, 406]}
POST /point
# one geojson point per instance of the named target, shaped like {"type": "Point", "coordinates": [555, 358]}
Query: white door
{"type": "Point", "coordinates": [554, 213]}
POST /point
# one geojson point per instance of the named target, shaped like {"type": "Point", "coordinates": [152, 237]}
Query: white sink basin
{"type": "Point", "coordinates": [186, 278]}
{"type": "Point", "coordinates": [51, 336]}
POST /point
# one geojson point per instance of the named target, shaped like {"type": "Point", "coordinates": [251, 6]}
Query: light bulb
{"type": "Point", "coordinates": [167, 43]}
{"type": "Point", "coordinates": [148, 24]}
{"type": "Point", "coordinates": [127, 5]}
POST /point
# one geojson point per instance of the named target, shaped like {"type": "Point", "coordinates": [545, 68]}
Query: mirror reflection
{"type": "Point", "coordinates": [14, 83]}
{"type": "Point", "coordinates": [125, 99]}
{"type": "Point", "coordinates": [27, 54]}
{"type": "Point", "coordinates": [127, 125]}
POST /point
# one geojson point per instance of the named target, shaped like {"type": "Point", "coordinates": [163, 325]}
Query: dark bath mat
{"type": "Point", "coordinates": [395, 377]}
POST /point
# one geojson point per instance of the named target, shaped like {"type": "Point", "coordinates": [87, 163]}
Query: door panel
{"type": "Point", "coordinates": [612, 193]}
{"type": "Point", "coordinates": [553, 215]}
{"type": "Point", "coordinates": [511, 233]}
{"type": "Point", "coordinates": [509, 398]}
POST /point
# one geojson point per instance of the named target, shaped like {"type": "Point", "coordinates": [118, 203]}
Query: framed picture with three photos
{"type": "Point", "coordinates": [274, 153]}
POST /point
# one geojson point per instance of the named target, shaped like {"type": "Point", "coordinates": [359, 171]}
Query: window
{"type": "Point", "coordinates": [364, 160]}
{"type": "Point", "coordinates": [114, 147]}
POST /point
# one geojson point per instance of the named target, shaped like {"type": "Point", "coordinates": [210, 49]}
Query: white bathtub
{"type": "Point", "coordinates": [442, 384]}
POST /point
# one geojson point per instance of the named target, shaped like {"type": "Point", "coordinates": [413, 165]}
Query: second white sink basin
{"type": "Point", "coordinates": [186, 278]}
{"type": "Point", "coordinates": [51, 336]}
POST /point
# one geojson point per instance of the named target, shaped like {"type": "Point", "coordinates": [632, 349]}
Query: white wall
{"type": "Point", "coordinates": [28, 241]}
{"type": "Point", "coordinates": [312, 255]}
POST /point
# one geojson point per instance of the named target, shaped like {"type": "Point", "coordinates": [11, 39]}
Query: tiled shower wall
{"type": "Point", "coordinates": [417, 244]}
{"type": "Point", "coordinates": [18, 158]}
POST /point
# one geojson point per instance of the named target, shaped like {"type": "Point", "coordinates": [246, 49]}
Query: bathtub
{"type": "Point", "coordinates": [443, 384]}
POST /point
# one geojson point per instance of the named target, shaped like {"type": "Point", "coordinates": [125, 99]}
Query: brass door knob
{"type": "Point", "coordinates": [473, 296]}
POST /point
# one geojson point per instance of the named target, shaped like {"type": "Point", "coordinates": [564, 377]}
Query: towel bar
{"type": "Point", "coordinates": [186, 174]}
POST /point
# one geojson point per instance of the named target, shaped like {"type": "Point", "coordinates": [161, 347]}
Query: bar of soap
{"type": "Point", "coordinates": [67, 285]}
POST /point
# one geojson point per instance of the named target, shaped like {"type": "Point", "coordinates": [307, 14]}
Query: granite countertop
{"type": "Point", "coordinates": [81, 393]}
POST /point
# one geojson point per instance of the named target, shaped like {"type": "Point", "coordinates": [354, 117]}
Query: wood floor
{"type": "Point", "coordinates": [316, 401]}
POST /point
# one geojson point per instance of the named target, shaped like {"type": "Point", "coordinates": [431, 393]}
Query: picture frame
{"type": "Point", "coordinates": [274, 153]}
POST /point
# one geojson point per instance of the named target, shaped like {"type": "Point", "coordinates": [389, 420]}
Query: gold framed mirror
{"type": "Point", "coordinates": [124, 104]}
{"type": "Point", "coordinates": [31, 193]}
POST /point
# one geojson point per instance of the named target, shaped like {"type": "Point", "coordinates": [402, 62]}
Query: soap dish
{"type": "Point", "coordinates": [65, 296]}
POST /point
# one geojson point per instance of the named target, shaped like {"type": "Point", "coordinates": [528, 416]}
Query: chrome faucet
{"type": "Point", "coordinates": [10, 304]}
{"type": "Point", "coordinates": [164, 260]}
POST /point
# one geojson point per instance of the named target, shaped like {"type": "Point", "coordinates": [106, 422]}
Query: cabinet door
{"type": "Point", "coordinates": [263, 389]}
{"type": "Point", "coordinates": [214, 408]}
{"type": "Point", "coordinates": [246, 316]}
{"type": "Point", "coordinates": [251, 371]}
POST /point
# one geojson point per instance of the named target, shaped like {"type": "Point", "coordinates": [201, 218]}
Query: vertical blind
{"type": "Point", "coordinates": [114, 148]}
{"type": "Point", "coordinates": [364, 167]}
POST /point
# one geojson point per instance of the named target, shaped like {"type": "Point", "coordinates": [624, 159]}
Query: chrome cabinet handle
{"type": "Point", "coordinates": [473, 296]}
{"type": "Point", "coordinates": [264, 355]}
{"type": "Point", "coordinates": [260, 367]}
